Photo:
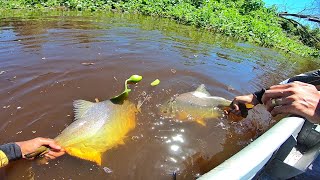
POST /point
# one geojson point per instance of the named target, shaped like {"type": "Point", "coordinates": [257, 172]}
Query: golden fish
{"type": "Point", "coordinates": [97, 128]}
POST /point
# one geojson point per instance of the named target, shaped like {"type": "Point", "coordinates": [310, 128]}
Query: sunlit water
{"type": "Point", "coordinates": [48, 60]}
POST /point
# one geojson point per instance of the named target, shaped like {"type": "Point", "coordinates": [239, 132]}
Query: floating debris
{"type": "Point", "coordinates": [143, 93]}
{"type": "Point", "coordinates": [2, 72]}
{"type": "Point", "coordinates": [87, 63]}
{"type": "Point", "coordinates": [173, 160]}
{"type": "Point", "coordinates": [19, 107]}
{"type": "Point", "coordinates": [5, 107]}
{"type": "Point", "coordinates": [34, 132]}
{"type": "Point", "coordinates": [155, 82]}
{"type": "Point", "coordinates": [19, 132]}
{"type": "Point", "coordinates": [135, 138]}
{"type": "Point", "coordinates": [173, 71]}
{"type": "Point", "coordinates": [107, 170]}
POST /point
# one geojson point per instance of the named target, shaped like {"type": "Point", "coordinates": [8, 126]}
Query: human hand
{"type": "Point", "coordinates": [240, 101]}
{"type": "Point", "coordinates": [33, 144]}
{"type": "Point", "coordinates": [296, 98]}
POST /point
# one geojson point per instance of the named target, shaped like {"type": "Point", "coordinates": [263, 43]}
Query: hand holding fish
{"type": "Point", "coordinates": [242, 101]}
{"type": "Point", "coordinates": [33, 144]}
{"type": "Point", "coordinates": [296, 98]}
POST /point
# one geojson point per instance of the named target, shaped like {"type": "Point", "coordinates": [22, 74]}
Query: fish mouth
{"type": "Point", "coordinates": [167, 108]}
{"type": "Point", "coordinates": [164, 109]}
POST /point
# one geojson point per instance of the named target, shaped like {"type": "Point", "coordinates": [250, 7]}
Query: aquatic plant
{"type": "Point", "coordinates": [247, 20]}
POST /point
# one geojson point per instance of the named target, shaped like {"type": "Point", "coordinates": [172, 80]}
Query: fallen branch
{"type": "Point", "coordinates": [303, 28]}
{"type": "Point", "coordinates": [308, 17]}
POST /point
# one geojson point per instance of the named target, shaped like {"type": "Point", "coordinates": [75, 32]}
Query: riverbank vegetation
{"type": "Point", "coordinates": [247, 20]}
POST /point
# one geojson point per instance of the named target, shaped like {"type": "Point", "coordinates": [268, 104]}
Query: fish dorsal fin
{"type": "Point", "coordinates": [202, 89]}
{"type": "Point", "coordinates": [81, 107]}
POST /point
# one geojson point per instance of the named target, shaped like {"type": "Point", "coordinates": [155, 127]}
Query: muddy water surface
{"type": "Point", "coordinates": [48, 60]}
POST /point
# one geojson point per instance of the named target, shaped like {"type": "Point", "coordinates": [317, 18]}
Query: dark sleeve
{"type": "Point", "coordinates": [259, 94]}
{"type": "Point", "coordinates": [12, 151]}
{"type": "Point", "coordinates": [312, 77]}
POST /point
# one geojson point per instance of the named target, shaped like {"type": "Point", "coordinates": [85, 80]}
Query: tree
{"type": "Point", "coordinates": [308, 36]}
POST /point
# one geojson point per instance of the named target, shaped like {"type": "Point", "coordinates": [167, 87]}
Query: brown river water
{"type": "Point", "coordinates": [50, 59]}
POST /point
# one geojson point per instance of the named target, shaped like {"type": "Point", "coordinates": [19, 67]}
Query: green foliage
{"type": "Point", "coordinates": [309, 37]}
{"type": "Point", "coordinates": [247, 20]}
{"type": "Point", "coordinates": [251, 5]}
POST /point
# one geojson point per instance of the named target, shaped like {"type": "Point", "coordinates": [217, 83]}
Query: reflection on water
{"type": "Point", "coordinates": [50, 59]}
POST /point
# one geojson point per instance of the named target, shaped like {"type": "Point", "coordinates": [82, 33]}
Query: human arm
{"type": "Point", "coordinates": [17, 150]}
{"type": "Point", "coordinates": [9, 152]}
{"type": "Point", "coordinates": [33, 144]}
{"type": "Point", "coordinates": [309, 79]}
{"type": "Point", "coordinates": [295, 98]}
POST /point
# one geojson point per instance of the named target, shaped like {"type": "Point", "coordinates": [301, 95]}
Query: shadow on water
{"type": "Point", "coordinates": [49, 59]}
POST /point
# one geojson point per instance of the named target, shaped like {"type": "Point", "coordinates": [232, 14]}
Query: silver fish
{"type": "Point", "coordinates": [197, 106]}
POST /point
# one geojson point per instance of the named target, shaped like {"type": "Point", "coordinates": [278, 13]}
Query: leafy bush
{"type": "Point", "coordinates": [244, 19]}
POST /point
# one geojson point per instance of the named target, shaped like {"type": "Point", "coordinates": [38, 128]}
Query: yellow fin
{"type": "Point", "coordinates": [182, 115]}
{"type": "Point", "coordinates": [201, 121]}
{"type": "Point", "coordinates": [89, 154]}
{"type": "Point", "coordinates": [81, 107]}
{"type": "Point", "coordinates": [249, 106]}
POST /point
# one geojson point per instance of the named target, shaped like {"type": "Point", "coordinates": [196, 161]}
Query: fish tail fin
{"type": "Point", "coordinates": [87, 154]}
